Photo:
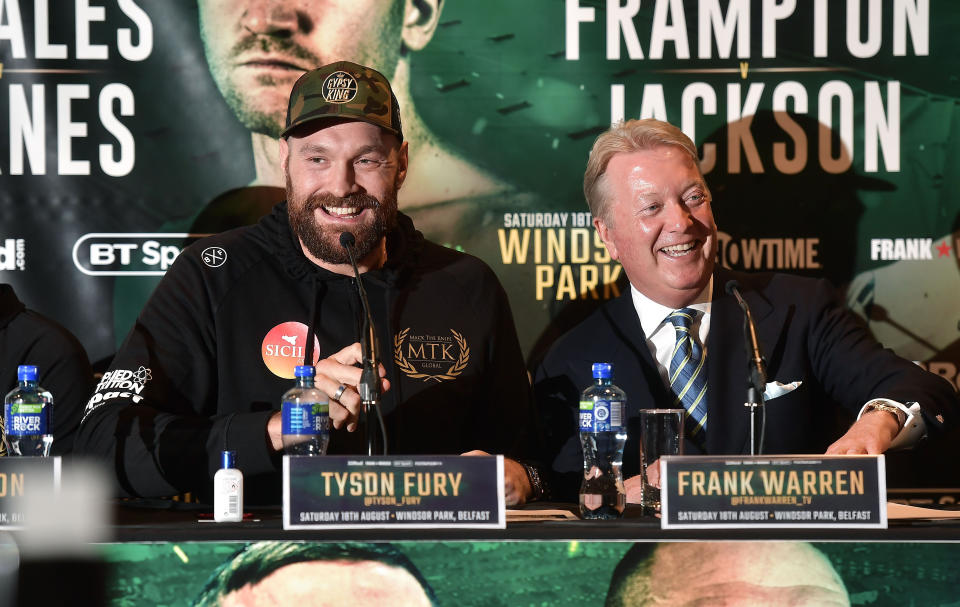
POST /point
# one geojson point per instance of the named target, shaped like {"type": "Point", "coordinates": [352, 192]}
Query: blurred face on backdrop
{"type": "Point", "coordinates": [734, 574]}
{"type": "Point", "coordinates": [332, 583]}
{"type": "Point", "coordinates": [659, 224]}
{"type": "Point", "coordinates": [257, 49]}
{"type": "Point", "coordinates": [342, 177]}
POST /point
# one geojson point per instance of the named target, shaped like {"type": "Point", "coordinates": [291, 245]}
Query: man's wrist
{"type": "Point", "coordinates": [537, 489]}
{"type": "Point", "coordinates": [882, 406]}
{"type": "Point", "coordinates": [274, 432]}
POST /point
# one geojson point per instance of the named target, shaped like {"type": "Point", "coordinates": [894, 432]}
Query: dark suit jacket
{"type": "Point", "coordinates": [805, 334]}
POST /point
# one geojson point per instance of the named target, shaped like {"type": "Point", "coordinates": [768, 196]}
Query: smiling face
{"type": "Point", "coordinates": [659, 224]}
{"type": "Point", "coordinates": [342, 177]}
{"type": "Point", "coordinates": [257, 49]}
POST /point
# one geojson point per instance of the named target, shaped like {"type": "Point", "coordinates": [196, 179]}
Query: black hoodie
{"type": "Point", "coordinates": [192, 378]}
{"type": "Point", "coordinates": [28, 338]}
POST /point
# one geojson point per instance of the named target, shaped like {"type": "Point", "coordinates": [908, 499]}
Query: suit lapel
{"type": "Point", "coordinates": [645, 389]}
{"type": "Point", "coordinates": [728, 429]}
{"type": "Point", "coordinates": [635, 372]}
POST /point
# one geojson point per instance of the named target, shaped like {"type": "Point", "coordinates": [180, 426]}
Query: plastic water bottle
{"type": "Point", "coordinates": [602, 436]}
{"type": "Point", "coordinates": [28, 416]}
{"type": "Point", "coordinates": [305, 413]}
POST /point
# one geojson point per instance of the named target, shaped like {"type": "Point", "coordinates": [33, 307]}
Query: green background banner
{"type": "Point", "coordinates": [536, 574]}
{"type": "Point", "coordinates": [829, 133]}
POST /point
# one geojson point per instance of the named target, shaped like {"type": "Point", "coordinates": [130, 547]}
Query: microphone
{"type": "Point", "coordinates": [756, 365]}
{"type": "Point", "coordinates": [369, 386]}
{"type": "Point", "coordinates": [347, 241]}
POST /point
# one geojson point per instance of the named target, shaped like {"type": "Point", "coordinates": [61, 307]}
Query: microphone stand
{"type": "Point", "coordinates": [369, 386]}
{"type": "Point", "coordinates": [756, 371]}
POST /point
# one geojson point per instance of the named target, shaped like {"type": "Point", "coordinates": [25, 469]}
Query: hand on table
{"type": "Point", "coordinates": [869, 435]}
{"type": "Point", "coordinates": [516, 483]}
{"type": "Point", "coordinates": [634, 485]}
{"type": "Point", "coordinates": [339, 369]}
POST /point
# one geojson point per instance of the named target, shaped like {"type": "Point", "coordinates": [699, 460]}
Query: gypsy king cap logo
{"type": "Point", "coordinates": [431, 357]}
{"type": "Point", "coordinates": [339, 87]}
{"type": "Point", "coordinates": [284, 346]}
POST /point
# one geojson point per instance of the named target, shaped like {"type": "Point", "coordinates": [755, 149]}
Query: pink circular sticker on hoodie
{"type": "Point", "coordinates": [284, 346]}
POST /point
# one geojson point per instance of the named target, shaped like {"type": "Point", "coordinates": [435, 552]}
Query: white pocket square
{"type": "Point", "coordinates": [775, 389]}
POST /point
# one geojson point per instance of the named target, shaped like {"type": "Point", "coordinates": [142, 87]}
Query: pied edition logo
{"type": "Point", "coordinates": [125, 384]}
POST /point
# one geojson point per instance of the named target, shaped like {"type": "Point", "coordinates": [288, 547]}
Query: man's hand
{"type": "Point", "coordinates": [634, 485]}
{"type": "Point", "coordinates": [869, 435]}
{"type": "Point", "coordinates": [634, 488]}
{"type": "Point", "coordinates": [339, 369]}
{"type": "Point", "coordinates": [332, 372]}
{"type": "Point", "coordinates": [516, 483]}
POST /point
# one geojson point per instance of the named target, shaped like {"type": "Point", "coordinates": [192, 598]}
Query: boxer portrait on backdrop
{"type": "Point", "coordinates": [257, 49]}
{"type": "Point", "coordinates": [268, 574]}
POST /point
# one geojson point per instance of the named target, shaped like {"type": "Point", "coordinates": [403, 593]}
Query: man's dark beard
{"type": "Point", "coordinates": [323, 242]}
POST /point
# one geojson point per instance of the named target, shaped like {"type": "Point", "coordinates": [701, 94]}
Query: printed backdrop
{"type": "Point", "coordinates": [534, 574]}
{"type": "Point", "coordinates": [829, 133]}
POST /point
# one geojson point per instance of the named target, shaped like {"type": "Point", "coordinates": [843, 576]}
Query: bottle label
{"type": "Point", "coordinates": [308, 418]}
{"type": "Point", "coordinates": [601, 415]}
{"type": "Point", "coordinates": [25, 419]}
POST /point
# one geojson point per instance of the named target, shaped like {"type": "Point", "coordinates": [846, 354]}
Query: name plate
{"type": "Point", "coordinates": [349, 492]}
{"type": "Point", "coordinates": [25, 481]}
{"type": "Point", "coordinates": [805, 491]}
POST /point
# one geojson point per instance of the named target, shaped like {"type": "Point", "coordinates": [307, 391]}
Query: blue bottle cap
{"type": "Point", "coordinates": [27, 373]}
{"type": "Point", "coordinates": [304, 371]}
{"type": "Point", "coordinates": [602, 370]}
{"type": "Point", "coordinates": [228, 459]}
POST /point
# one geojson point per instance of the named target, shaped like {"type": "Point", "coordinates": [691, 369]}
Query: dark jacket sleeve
{"type": "Point", "coordinates": [505, 421]}
{"type": "Point", "coordinates": [854, 368]}
{"type": "Point", "coordinates": [557, 397]}
{"type": "Point", "coordinates": [63, 367]}
{"type": "Point", "coordinates": [153, 416]}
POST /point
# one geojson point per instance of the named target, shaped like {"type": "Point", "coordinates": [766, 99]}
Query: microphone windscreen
{"type": "Point", "coordinates": [346, 240]}
{"type": "Point", "coordinates": [729, 287]}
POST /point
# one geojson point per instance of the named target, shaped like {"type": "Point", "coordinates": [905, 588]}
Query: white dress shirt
{"type": "Point", "coordinates": [661, 334]}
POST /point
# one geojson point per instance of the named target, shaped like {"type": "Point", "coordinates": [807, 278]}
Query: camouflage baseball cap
{"type": "Point", "coordinates": [343, 90]}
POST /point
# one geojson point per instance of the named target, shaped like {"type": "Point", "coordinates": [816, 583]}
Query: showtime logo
{"type": "Point", "coordinates": [768, 253]}
{"type": "Point", "coordinates": [13, 254]}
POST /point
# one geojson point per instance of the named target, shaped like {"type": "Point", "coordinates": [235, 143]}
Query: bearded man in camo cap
{"type": "Point", "coordinates": [215, 347]}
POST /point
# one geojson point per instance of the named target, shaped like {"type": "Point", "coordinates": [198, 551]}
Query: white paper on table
{"type": "Point", "coordinates": [518, 516]}
{"type": "Point", "coordinates": [902, 512]}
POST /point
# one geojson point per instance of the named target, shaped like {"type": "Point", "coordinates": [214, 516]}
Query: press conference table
{"type": "Point", "coordinates": [156, 521]}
